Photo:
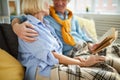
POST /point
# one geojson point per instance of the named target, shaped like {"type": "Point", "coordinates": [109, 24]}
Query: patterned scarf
{"type": "Point", "coordinates": [65, 29]}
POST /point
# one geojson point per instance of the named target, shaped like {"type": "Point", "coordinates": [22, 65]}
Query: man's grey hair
{"type": "Point", "coordinates": [69, 0]}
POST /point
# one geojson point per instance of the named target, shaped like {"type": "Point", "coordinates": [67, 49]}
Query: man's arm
{"type": "Point", "coordinates": [24, 30]}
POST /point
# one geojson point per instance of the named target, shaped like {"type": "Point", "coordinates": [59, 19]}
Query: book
{"type": "Point", "coordinates": [107, 39]}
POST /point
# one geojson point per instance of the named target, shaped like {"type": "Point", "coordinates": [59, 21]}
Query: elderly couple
{"type": "Point", "coordinates": [47, 35]}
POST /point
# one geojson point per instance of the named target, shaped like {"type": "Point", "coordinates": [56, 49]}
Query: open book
{"type": "Point", "coordinates": [108, 38]}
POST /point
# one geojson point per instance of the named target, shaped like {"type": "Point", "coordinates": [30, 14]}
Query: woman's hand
{"type": "Point", "coordinates": [93, 59]}
{"type": "Point", "coordinates": [25, 31]}
{"type": "Point", "coordinates": [80, 59]}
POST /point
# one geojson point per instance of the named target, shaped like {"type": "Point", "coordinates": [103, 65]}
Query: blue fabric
{"type": "Point", "coordinates": [38, 53]}
{"type": "Point", "coordinates": [78, 34]}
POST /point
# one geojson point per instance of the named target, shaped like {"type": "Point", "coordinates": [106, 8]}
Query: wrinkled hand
{"type": "Point", "coordinates": [80, 59]}
{"type": "Point", "coordinates": [25, 31]}
{"type": "Point", "coordinates": [93, 59]}
{"type": "Point", "coordinates": [92, 47]}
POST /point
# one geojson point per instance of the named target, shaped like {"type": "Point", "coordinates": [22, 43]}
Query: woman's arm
{"type": "Point", "coordinates": [91, 60]}
{"type": "Point", "coordinates": [66, 60]}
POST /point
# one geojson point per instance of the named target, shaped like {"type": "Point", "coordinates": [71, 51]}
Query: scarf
{"type": "Point", "coordinates": [65, 26]}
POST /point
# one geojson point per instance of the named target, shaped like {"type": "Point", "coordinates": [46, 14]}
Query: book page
{"type": "Point", "coordinates": [109, 33]}
{"type": "Point", "coordinates": [108, 38]}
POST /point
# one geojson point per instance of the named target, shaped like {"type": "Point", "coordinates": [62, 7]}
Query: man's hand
{"type": "Point", "coordinates": [25, 31]}
{"type": "Point", "coordinates": [80, 59]}
{"type": "Point", "coordinates": [93, 59]}
{"type": "Point", "coordinates": [92, 47]}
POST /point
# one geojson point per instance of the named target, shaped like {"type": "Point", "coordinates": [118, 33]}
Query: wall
{"type": "Point", "coordinates": [4, 10]}
{"type": "Point", "coordinates": [104, 22]}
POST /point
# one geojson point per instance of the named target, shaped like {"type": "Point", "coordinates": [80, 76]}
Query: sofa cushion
{"type": "Point", "coordinates": [2, 41]}
{"type": "Point", "coordinates": [10, 68]}
{"type": "Point", "coordinates": [8, 39]}
{"type": "Point", "coordinates": [89, 27]}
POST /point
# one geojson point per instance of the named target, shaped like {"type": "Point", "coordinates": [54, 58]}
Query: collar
{"type": "Point", "coordinates": [34, 20]}
{"type": "Point", "coordinates": [61, 15]}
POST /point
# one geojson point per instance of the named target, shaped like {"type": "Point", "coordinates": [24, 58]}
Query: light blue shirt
{"type": "Point", "coordinates": [39, 53]}
{"type": "Point", "coordinates": [78, 34]}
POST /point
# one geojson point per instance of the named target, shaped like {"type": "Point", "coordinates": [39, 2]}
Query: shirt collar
{"type": "Point", "coordinates": [63, 17]}
{"type": "Point", "coordinates": [35, 20]}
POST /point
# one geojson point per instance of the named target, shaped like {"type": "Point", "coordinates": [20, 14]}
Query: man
{"type": "Point", "coordinates": [70, 33]}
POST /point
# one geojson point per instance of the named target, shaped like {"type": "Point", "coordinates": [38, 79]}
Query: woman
{"type": "Point", "coordinates": [40, 56]}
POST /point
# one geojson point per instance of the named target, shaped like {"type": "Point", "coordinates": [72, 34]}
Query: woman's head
{"type": "Point", "coordinates": [35, 6]}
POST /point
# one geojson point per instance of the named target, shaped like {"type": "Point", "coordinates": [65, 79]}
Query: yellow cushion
{"type": "Point", "coordinates": [89, 27]}
{"type": "Point", "coordinates": [10, 68]}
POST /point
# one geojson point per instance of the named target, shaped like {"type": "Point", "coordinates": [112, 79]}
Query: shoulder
{"type": "Point", "coordinates": [50, 19]}
{"type": "Point", "coordinates": [75, 20]}
{"type": "Point", "coordinates": [22, 18]}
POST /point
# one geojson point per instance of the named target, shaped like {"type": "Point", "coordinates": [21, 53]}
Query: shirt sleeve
{"type": "Point", "coordinates": [21, 18]}
{"type": "Point", "coordinates": [41, 48]}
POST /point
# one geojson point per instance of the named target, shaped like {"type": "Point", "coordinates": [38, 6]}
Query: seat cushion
{"type": "Point", "coordinates": [10, 68]}
{"type": "Point", "coordinates": [89, 27]}
{"type": "Point", "coordinates": [3, 44]}
{"type": "Point", "coordinates": [8, 39]}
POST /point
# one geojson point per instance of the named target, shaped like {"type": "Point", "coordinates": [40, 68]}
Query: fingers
{"type": "Point", "coordinates": [100, 58]}
{"type": "Point", "coordinates": [29, 39]}
{"type": "Point", "coordinates": [80, 59]}
{"type": "Point", "coordinates": [29, 35]}
{"type": "Point", "coordinates": [92, 48]}
{"type": "Point", "coordinates": [98, 62]}
{"type": "Point", "coordinates": [32, 31]}
{"type": "Point", "coordinates": [28, 25]}
{"type": "Point", "coordinates": [93, 59]}
{"type": "Point", "coordinates": [27, 32]}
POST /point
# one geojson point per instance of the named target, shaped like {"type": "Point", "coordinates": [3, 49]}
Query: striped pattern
{"type": "Point", "coordinates": [104, 22]}
{"type": "Point", "coordinates": [108, 70]}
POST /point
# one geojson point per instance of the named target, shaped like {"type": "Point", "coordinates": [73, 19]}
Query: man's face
{"type": "Point", "coordinates": [60, 5]}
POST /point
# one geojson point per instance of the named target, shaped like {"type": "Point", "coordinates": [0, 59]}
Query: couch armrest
{"type": "Point", "coordinates": [8, 40]}
{"type": "Point", "coordinates": [89, 27]}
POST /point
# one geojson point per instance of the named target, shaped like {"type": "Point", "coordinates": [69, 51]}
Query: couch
{"type": "Point", "coordinates": [8, 40]}
{"type": "Point", "coordinates": [9, 49]}
{"type": "Point", "coordinates": [10, 68]}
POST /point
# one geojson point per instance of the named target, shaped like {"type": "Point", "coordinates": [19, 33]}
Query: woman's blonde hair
{"type": "Point", "coordinates": [33, 6]}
